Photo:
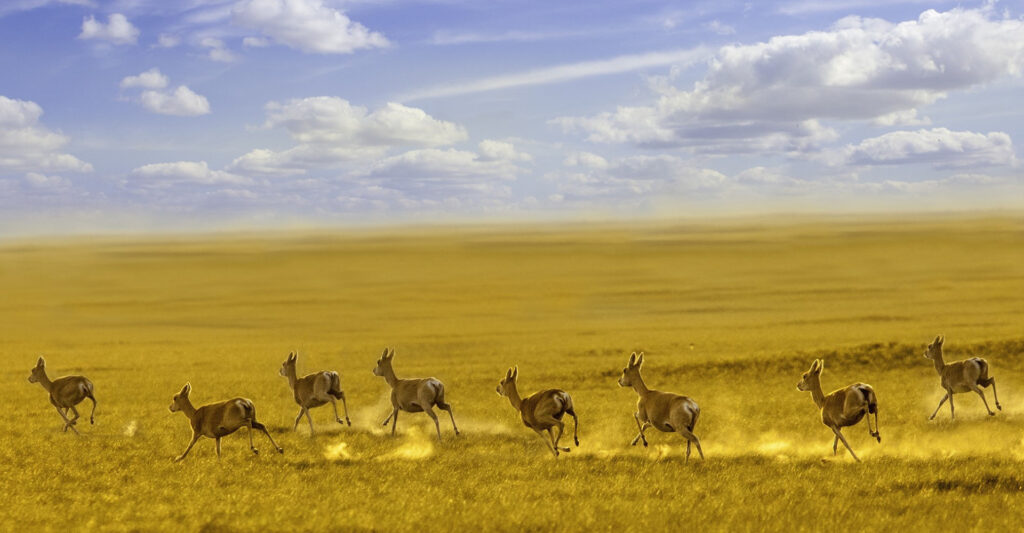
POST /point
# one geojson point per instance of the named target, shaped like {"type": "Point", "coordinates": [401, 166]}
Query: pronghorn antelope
{"type": "Point", "coordinates": [961, 376]}
{"type": "Point", "coordinates": [412, 395]}
{"type": "Point", "coordinates": [541, 411]}
{"type": "Point", "coordinates": [666, 411]}
{"type": "Point", "coordinates": [842, 407]}
{"type": "Point", "coordinates": [314, 390]}
{"type": "Point", "coordinates": [216, 420]}
{"type": "Point", "coordinates": [65, 393]}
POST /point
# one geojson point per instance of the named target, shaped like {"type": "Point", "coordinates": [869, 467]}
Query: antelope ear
{"type": "Point", "coordinates": [41, 362]}
{"type": "Point", "coordinates": [640, 359]}
{"type": "Point", "coordinates": [392, 354]}
{"type": "Point", "coordinates": [186, 389]}
{"type": "Point", "coordinates": [942, 339]}
{"type": "Point", "coordinates": [385, 354]}
{"type": "Point", "coordinates": [292, 356]}
{"type": "Point", "coordinates": [821, 365]}
{"type": "Point", "coordinates": [632, 359]}
{"type": "Point", "coordinates": [515, 372]}
{"type": "Point", "coordinates": [508, 375]}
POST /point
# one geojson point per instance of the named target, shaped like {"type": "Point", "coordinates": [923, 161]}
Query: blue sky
{"type": "Point", "coordinates": [147, 115]}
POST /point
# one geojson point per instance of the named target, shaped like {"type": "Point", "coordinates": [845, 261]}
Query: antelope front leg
{"type": "Point", "coordinates": [218, 444]}
{"type": "Point", "coordinates": [547, 440]}
{"type": "Point", "coordinates": [835, 445]}
{"type": "Point", "coordinates": [195, 437]}
{"type": "Point", "coordinates": [942, 401]}
{"type": "Point", "coordinates": [67, 423]}
{"type": "Point", "coordinates": [309, 419]}
{"type": "Point", "coordinates": [952, 415]}
{"type": "Point", "coordinates": [394, 421]}
{"type": "Point", "coordinates": [297, 418]}
{"type": "Point", "coordinates": [847, 444]}
{"type": "Point", "coordinates": [74, 420]}
{"type": "Point", "coordinates": [640, 426]}
{"type": "Point", "coordinates": [690, 437]}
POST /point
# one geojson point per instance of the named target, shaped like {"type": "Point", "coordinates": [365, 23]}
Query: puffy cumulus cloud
{"type": "Point", "coordinates": [117, 30]}
{"type": "Point", "coordinates": [491, 150]}
{"type": "Point", "coordinates": [217, 50]}
{"type": "Point", "coordinates": [331, 131]}
{"type": "Point", "coordinates": [634, 177]}
{"type": "Point", "coordinates": [307, 25]}
{"type": "Point", "coordinates": [939, 147]}
{"type": "Point", "coordinates": [150, 79]}
{"type": "Point", "coordinates": [42, 181]}
{"type": "Point", "coordinates": [183, 102]}
{"type": "Point", "coordinates": [28, 146]}
{"type": "Point", "coordinates": [164, 175]}
{"type": "Point", "coordinates": [166, 40]}
{"type": "Point", "coordinates": [772, 95]}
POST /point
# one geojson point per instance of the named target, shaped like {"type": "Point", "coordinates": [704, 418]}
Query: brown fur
{"type": "Point", "coordinates": [216, 420]}
{"type": "Point", "coordinates": [666, 411]}
{"type": "Point", "coordinates": [65, 393]}
{"type": "Point", "coordinates": [541, 411]}
{"type": "Point", "coordinates": [968, 375]}
{"type": "Point", "coordinates": [314, 390]}
{"type": "Point", "coordinates": [412, 395]}
{"type": "Point", "coordinates": [842, 407]}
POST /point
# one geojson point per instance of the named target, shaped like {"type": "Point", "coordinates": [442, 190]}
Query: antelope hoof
{"type": "Point", "coordinates": [179, 458]}
{"type": "Point", "coordinates": [280, 451]}
{"type": "Point", "coordinates": [566, 449]}
{"type": "Point", "coordinates": [255, 451]}
{"type": "Point", "coordinates": [990, 413]}
{"type": "Point", "coordinates": [577, 442]}
{"type": "Point", "coordinates": [347, 421]}
{"type": "Point", "coordinates": [645, 443]}
{"type": "Point", "coordinates": [1000, 407]}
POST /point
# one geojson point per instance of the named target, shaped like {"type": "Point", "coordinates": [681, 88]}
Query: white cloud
{"type": "Point", "coordinates": [634, 177]}
{"type": "Point", "coordinates": [28, 146]}
{"type": "Point", "coordinates": [938, 147]}
{"type": "Point", "coordinates": [218, 52]}
{"type": "Point", "coordinates": [720, 28]}
{"type": "Point", "coordinates": [150, 79]}
{"type": "Point", "coordinates": [181, 102]}
{"type": "Point", "coordinates": [117, 30]}
{"type": "Point", "coordinates": [562, 73]}
{"type": "Point", "coordinates": [163, 175]}
{"type": "Point", "coordinates": [491, 150]}
{"type": "Point", "coordinates": [773, 95]}
{"type": "Point", "coordinates": [255, 42]}
{"type": "Point", "coordinates": [307, 25]}
{"type": "Point", "coordinates": [25, 5]}
{"type": "Point", "coordinates": [166, 40]}
{"type": "Point", "coordinates": [42, 181]}
{"type": "Point", "coordinates": [330, 131]}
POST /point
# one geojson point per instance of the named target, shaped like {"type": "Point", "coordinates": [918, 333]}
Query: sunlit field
{"type": "Point", "coordinates": [729, 313]}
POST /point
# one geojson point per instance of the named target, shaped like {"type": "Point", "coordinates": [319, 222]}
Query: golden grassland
{"type": "Point", "coordinates": [728, 313]}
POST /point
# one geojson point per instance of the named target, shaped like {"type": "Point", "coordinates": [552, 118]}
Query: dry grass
{"type": "Point", "coordinates": [755, 302]}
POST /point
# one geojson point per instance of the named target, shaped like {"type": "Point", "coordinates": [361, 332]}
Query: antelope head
{"type": "Point", "coordinates": [811, 376]}
{"type": "Point", "coordinates": [38, 371]}
{"type": "Point", "coordinates": [934, 350]}
{"type": "Point", "coordinates": [508, 382]}
{"type": "Point", "coordinates": [631, 373]}
{"type": "Point", "coordinates": [180, 399]}
{"type": "Point", "coordinates": [289, 364]}
{"type": "Point", "coordinates": [384, 363]}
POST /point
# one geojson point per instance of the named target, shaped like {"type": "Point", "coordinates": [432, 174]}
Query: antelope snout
{"type": "Point", "coordinates": [171, 408]}
{"type": "Point", "coordinates": [800, 386]}
{"type": "Point", "coordinates": [498, 390]}
{"type": "Point", "coordinates": [31, 379]}
{"type": "Point", "coordinates": [621, 383]}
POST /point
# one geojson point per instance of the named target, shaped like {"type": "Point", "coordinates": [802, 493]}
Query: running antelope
{"type": "Point", "coordinates": [412, 395]}
{"type": "Point", "coordinates": [961, 376]}
{"type": "Point", "coordinates": [216, 420]}
{"type": "Point", "coordinates": [65, 393]}
{"type": "Point", "coordinates": [314, 390]}
{"type": "Point", "coordinates": [842, 407]}
{"type": "Point", "coordinates": [541, 411]}
{"type": "Point", "coordinates": [666, 411]}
